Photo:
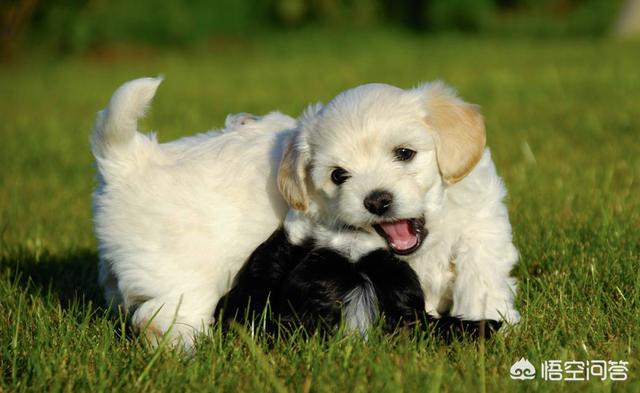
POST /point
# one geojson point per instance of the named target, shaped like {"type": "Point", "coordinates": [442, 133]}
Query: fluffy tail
{"type": "Point", "coordinates": [116, 125]}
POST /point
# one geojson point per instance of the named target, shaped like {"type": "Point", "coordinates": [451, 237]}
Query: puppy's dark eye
{"type": "Point", "coordinates": [404, 154]}
{"type": "Point", "coordinates": [339, 176]}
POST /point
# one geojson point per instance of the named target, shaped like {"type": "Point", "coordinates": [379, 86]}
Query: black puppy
{"type": "Point", "coordinates": [317, 288]}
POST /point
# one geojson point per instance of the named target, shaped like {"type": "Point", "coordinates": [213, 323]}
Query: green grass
{"type": "Point", "coordinates": [563, 124]}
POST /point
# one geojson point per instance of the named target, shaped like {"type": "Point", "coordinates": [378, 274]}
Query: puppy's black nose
{"type": "Point", "coordinates": [378, 201]}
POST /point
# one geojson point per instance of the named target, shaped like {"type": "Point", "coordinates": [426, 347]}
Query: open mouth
{"type": "Point", "coordinates": [403, 236]}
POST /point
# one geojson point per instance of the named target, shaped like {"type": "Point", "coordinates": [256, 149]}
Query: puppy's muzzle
{"type": "Point", "coordinates": [404, 236]}
{"type": "Point", "coordinates": [378, 202]}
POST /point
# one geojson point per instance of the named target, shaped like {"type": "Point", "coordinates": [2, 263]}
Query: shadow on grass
{"type": "Point", "coordinates": [70, 278]}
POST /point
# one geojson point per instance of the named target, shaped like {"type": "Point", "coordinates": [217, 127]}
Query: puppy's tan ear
{"type": "Point", "coordinates": [459, 131]}
{"type": "Point", "coordinates": [292, 175]}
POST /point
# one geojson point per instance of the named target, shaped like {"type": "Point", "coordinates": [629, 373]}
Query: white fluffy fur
{"type": "Point", "coordinates": [176, 221]}
{"type": "Point", "coordinates": [465, 262]}
{"type": "Point", "coordinates": [361, 307]}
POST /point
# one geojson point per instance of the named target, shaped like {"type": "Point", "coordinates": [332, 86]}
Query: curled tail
{"type": "Point", "coordinates": [116, 125]}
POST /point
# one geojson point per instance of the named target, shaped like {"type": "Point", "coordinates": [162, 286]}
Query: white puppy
{"type": "Point", "coordinates": [176, 221]}
{"type": "Point", "coordinates": [377, 167]}
{"type": "Point", "coordinates": [406, 169]}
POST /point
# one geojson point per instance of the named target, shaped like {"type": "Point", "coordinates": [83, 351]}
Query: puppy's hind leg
{"type": "Point", "coordinates": [109, 282]}
{"type": "Point", "coordinates": [176, 319]}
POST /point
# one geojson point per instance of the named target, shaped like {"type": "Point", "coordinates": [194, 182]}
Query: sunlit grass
{"type": "Point", "coordinates": [563, 126]}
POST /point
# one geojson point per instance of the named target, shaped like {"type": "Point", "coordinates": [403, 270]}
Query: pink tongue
{"type": "Point", "coordinates": [400, 235]}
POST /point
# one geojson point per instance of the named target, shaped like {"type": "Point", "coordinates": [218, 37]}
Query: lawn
{"type": "Point", "coordinates": [563, 121]}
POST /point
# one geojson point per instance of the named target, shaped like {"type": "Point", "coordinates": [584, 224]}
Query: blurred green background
{"type": "Point", "coordinates": [71, 26]}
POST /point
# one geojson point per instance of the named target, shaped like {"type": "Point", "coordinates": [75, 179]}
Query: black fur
{"type": "Point", "coordinates": [314, 292]}
{"type": "Point", "coordinates": [316, 288]}
{"type": "Point", "coordinates": [307, 286]}
{"type": "Point", "coordinates": [397, 288]}
{"type": "Point", "coordinates": [259, 280]}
